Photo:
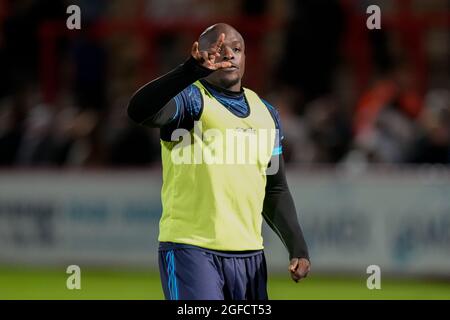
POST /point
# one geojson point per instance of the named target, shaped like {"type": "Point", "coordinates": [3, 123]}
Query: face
{"type": "Point", "coordinates": [233, 50]}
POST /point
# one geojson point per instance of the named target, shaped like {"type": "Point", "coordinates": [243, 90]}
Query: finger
{"type": "Point", "coordinates": [204, 56]}
{"type": "Point", "coordinates": [215, 54]}
{"type": "Point", "coordinates": [293, 265]}
{"type": "Point", "coordinates": [305, 265]}
{"type": "Point", "coordinates": [302, 271]}
{"type": "Point", "coordinates": [295, 277]}
{"type": "Point", "coordinates": [194, 51]}
{"type": "Point", "coordinates": [218, 45]}
{"type": "Point", "coordinates": [212, 58]}
{"type": "Point", "coordinates": [213, 50]}
{"type": "Point", "coordinates": [304, 268]}
{"type": "Point", "coordinates": [223, 64]}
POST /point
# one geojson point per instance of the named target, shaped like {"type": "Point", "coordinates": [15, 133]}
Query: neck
{"type": "Point", "coordinates": [235, 89]}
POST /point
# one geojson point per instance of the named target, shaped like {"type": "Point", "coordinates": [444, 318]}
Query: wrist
{"type": "Point", "coordinates": [192, 66]}
{"type": "Point", "coordinates": [299, 254]}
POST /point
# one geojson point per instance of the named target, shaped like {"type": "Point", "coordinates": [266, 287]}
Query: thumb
{"type": "Point", "coordinates": [293, 265]}
{"type": "Point", "coordinates": [194, 50]}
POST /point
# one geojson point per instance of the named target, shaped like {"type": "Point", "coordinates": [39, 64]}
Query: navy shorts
{"type": "Point", "coordinates": [193, 273]}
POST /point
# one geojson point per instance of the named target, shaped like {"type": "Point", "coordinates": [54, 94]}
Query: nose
{"type": "Point", "coordinates": [227, 53]}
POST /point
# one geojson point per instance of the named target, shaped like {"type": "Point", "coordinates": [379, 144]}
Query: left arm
{"type": "Point", "coordinates": [280, 214]}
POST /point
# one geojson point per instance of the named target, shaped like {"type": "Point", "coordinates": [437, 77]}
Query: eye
{"type": "Point", "coordinates": [237, 49]}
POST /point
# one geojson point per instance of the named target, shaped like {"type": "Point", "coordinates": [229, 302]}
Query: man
{"type": "Point", "coordinates": [210, 230]}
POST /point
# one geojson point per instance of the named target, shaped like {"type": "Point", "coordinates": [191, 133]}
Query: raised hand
{"type": "Point", "coordinates": [208, 58]}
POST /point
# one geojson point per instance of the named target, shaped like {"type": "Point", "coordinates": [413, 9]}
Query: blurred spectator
{"type": "Point", "coordinates": [12, 115]}
{"type": "Point", "coordinates": [384, 124]}
{"type": "Point", "coordinates": [129, 144]}
{"type": "Point", "coordinates": [297, 145]}
{"type": "Point", "coordinates": [311, 47]}
{"type": "Point", "coordinates": [390, 120]}
{"type": "Point", "coordinates": [133, 147]}
{"type": "Point", "coordinates": [35, 145]}
{"type": "Point", "coordinates": [89, 58]}
{"type": "Point", "coordinates": [254, 8]}
{"type": "Point", "coordinates": [164, 11]}
{"type": "Point", "coordinates": [21, 41]}
{"type": "Point", "coordinates": [329, 131]}
{"type": "Point", "coordinates": [433, 145]}
{"type": "Point", "coordinates": [86, 148]}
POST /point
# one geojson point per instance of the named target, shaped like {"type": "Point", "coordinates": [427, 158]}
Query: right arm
{"type": "Point", "coordinates": [153, 104]}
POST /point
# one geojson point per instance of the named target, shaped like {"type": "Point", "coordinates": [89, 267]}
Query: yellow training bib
{"type": "Point", "coordinates": [213, 177]}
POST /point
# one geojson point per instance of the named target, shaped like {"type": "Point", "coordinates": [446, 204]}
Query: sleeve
{"type": "Point", "coordinates": [154, 104]}
{"type": "Point", "coordinates": [278, 149]}
{"type": "Point", "coordinates": [281, 216]}
{"type": "Point", "coordinates": [189, 106]}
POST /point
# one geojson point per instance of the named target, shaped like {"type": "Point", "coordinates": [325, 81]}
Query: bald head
{"type": "Point", "coordinates": [212, 33]}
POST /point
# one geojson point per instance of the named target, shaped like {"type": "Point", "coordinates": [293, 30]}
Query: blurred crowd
{"type": "Point", "coordinates": [394, 108]}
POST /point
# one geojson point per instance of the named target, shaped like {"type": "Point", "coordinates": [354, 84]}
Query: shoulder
{"type": "Point", "coordinates": [279, 135]}
{"type": "Point", "coordinates": [190, 100]}
{"type": "Point", "coordinates": [191, 93]}
{"type": "Point", "coordinates": [274, 112]}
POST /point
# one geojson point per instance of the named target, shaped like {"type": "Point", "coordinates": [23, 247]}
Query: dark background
{"type": "Point", "coordinates": [347, 95]}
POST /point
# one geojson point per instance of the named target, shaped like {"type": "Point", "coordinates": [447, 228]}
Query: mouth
{"type": "Point", "coordinates": [232, 68]}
